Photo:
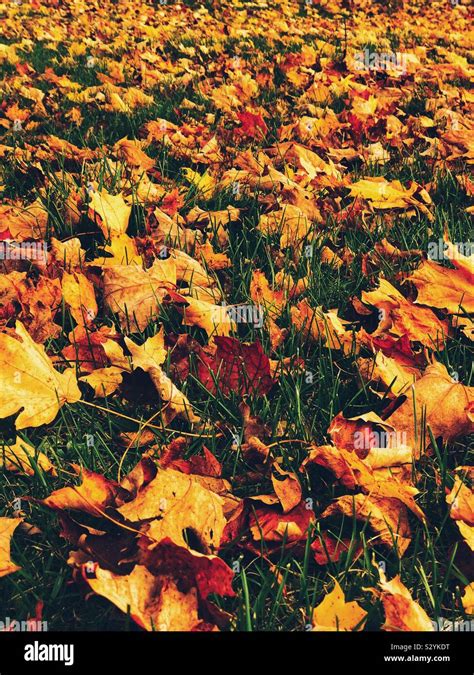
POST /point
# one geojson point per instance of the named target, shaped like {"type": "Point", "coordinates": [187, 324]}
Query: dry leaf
{"type": "Point", "coordinates": [28, 381]}
{"type": "Point", "coordinates": [335, 614]}
{"type": "Point", "coordinates": [7, 528]}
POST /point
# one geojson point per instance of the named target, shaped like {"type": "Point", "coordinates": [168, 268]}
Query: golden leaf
{"type": "Point", "coordinates": [335, 614]}
{"type": "Point", "coordinates": [114, 212]}
{"type": "Point", "coordinates": [135, 294]}
{"type": "Point", "coordinates": [28, 381]}
{"type": "Point", "coordinates": [174, 504]}
{"type": "Point", "coordinates": [444, 405]}
{"type": "Point", "coordinates": [21, 457]}
{"type": "Point", "coordinates": [79, 295]}
{"type": "Point", "coordinates": [7, 528]}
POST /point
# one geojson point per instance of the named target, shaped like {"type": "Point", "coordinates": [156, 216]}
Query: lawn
{"type": "Point", "coordinates": [236, 259]}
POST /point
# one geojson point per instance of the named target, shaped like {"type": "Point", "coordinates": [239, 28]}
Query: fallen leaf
{"type": "Point", "coordinates": [30, 384]}
{"type": "Point", "coordinates": [7, 528]}
{"type": "Point", "coordinates": [21, 457]}
{"type": "Point", "coordinates": [335, 614]}
{"type": "Point", "coordinates": [402, 613]}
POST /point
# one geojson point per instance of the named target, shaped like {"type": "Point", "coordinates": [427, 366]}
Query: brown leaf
{"type": "Point", "coordinates": [402, 613]}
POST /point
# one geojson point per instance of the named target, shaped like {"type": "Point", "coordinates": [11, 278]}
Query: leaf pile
{"type": "Point", "coordinates": [236, 310]}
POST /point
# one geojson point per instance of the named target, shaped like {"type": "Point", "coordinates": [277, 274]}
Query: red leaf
{"type": "Point", "coordinates": [209, 574]}
{"type": "Point", "coordinates": [253, 125]}
{"type": "Point", "coordinates": [237, 367]}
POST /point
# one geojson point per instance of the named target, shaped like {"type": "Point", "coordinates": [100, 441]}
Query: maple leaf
{"type": "Point", "coordinates": [173, 504]}
{"type": "Point", "coordinates": [449, 289]}
{"type": "Point", "coordinates": [24, 222]}
{"type": "Point", "coordinates": [214, 319]}
{"type": "Point", "coordinates": [78, 293]}
{"type": "Point", "coordinates": [274, 527]}
{"type": "Point", "coordinates": [437, 401]}
{"type": "Point", "coordinates": [29, 383]}
{"type": "Point", "coordinates": [461, 502]}
{"type": "Point", "coordinates": [168, 590]}
{"type": "Point", "coordinates": [391, 195]}
{"type": "Point", "coordinates": [468, 599]}
{"type": "Point", "coordinates": [154, 602]}
{"type": "Point", "coordinates": [274, 302]}
{"type": "Point", "coordinates": [205, 184]}
{"type": "Point", "coordinates": [326, 327]}
{"type": "Point", "coordinates": [354, 472]}
{"type": "Point", "coordinates": [92, 496]}
{"type": "Point", "coordinates": [287, 488]}
{"type": "Point", "coordinates": [104, 381]}
{"type": "Point", "coordinates": [208, 573]}
{"type": "Point", "coordinates": [149, 357]}
{"type": "Point", "coordinates": [235, 367]}
{"type": "Point", "coordinates": [401, 317]}
{"type": "Point", "coordinates": [68, 253]}
{"type": "Point", "coordinates": [387, 518]}
{"type": "Point", "coordinates": [335, 614]}
{"type": "Point", "coordinates": [253, 125]}
{"type": "Point", "coordinates": [39, 300]}
{"type": "Point", "coordinates": [135, 294]}
{"type": "Point", "coordinates": [330, 549]}
{"type": "Point", "coordinates": [131, 151]}
{"type": "Point", "coordinates": [122, 250]}
{"type": "Point", "coordinates": [113, 211]}
{"type": "Point", "coordinates": [89, 348]}
{"type": "Point", "coordinates": [394, 375]}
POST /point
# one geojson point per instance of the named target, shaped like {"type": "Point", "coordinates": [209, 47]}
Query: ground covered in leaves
{"type": "Point", "coordinates": [236, 315]}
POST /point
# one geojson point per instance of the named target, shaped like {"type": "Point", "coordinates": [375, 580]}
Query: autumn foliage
{"type": "Point", "coordinates": [236, 301]}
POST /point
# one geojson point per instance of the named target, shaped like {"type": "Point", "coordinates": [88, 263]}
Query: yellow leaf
{"type": "Point", "coordinates": [214, 319]}
{"type": "Point", "coordinates": [104, 381]}
{"type": "Point", "coordinates": [335, 614]}
{"type": "Point", "coordinates": [387, 517]}
{"type": "Point", "coordinates": [205, 184]}
{"type": "Point", "coordinates": [92, 496]}
{"type": "Point", "coordinates": [21, 458]}
{"type": "Point", "coordinates": [122, 250]}
{"type": "Point", "coordinates": [444, 288]}
{"type": "Point", "coordinates": [468, 599]}
{"type": "Point", "coordinates": [175, 503]}
{"type": "Point", "coordinates": [7, 528]}
{"type": "Point", "coordinates": [28, 381]}
{"type": "Point", "coordinates": [135, 294]}
{"type": "Point", "coordinates": [114, 212]}
{"type": "Point", "coordinates": [79, 295]}
{"type": "Point", "coordinates": [437, 401]}
{"type": "Point", "coordinates": [154, 602]}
